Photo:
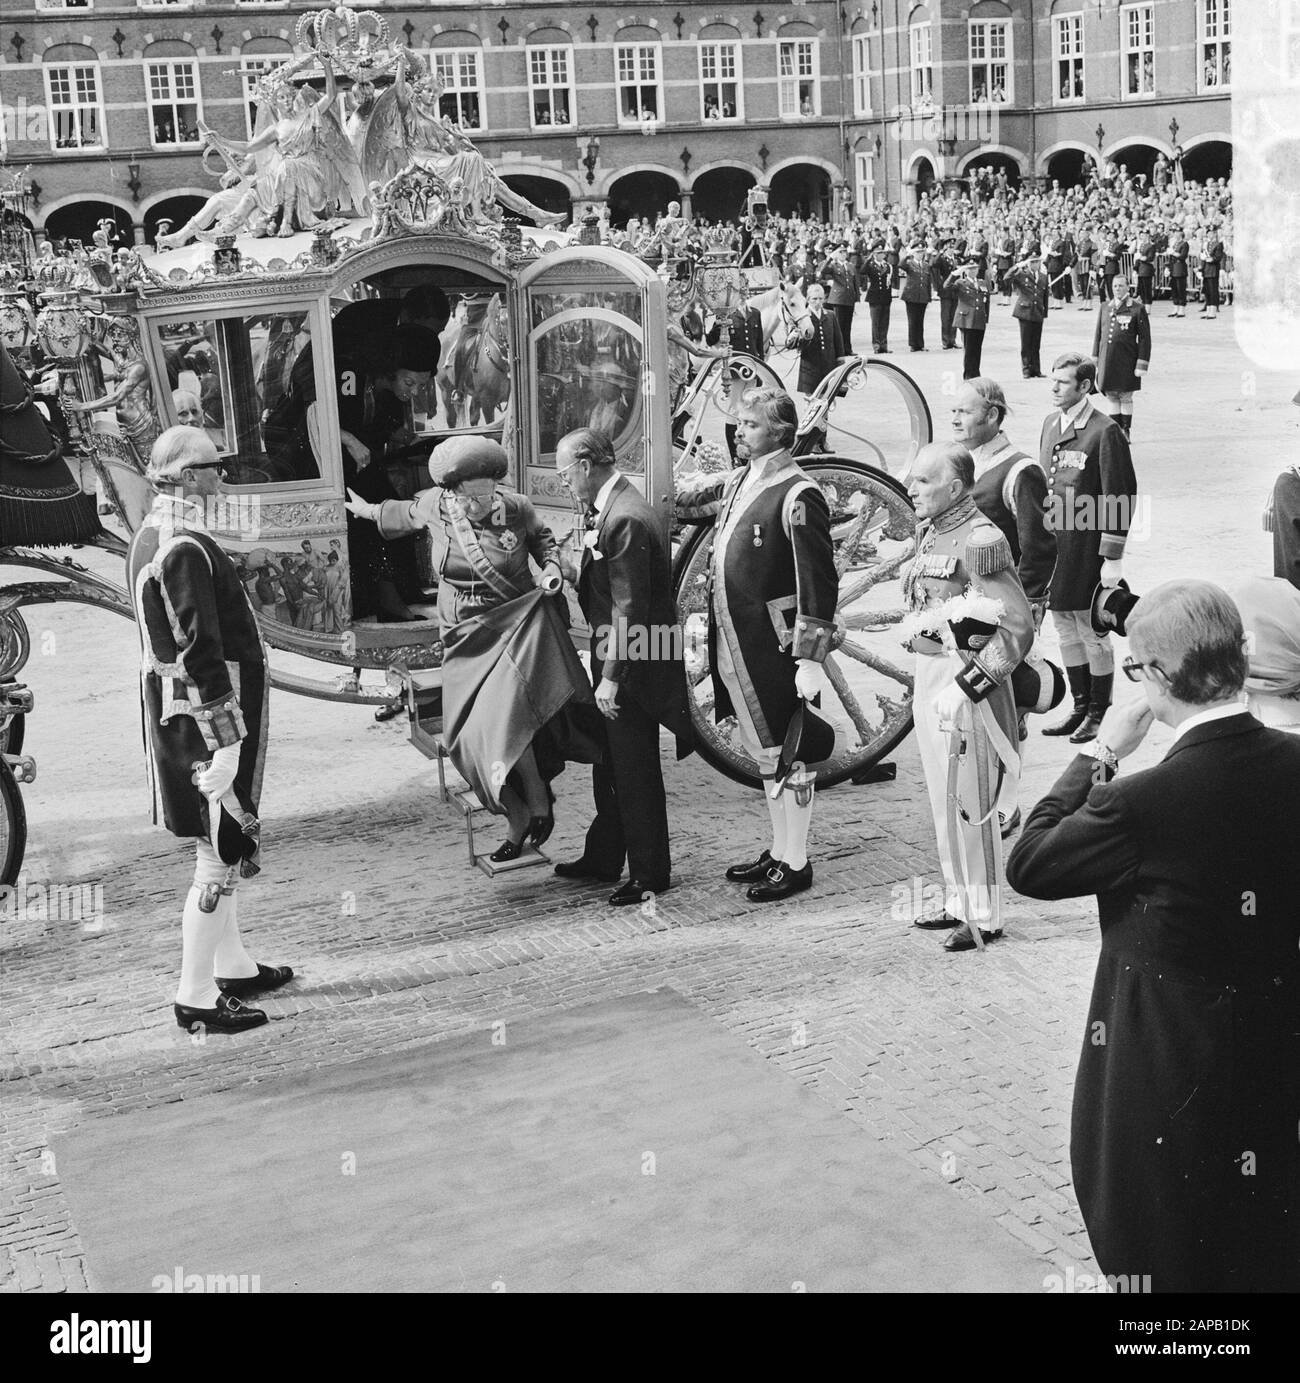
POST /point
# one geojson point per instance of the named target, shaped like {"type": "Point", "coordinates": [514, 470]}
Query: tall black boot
{"type": "Point", "coordinates": [1098, 704]}
{"type": "Point", "coordinates": [1080, 688]}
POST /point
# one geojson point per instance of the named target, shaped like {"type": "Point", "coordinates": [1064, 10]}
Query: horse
{"type": "Point", "coordinates": [474, 376]}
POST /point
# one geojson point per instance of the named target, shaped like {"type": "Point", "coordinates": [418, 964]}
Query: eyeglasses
{"type": "Point", "coordinates": [1131, 667]}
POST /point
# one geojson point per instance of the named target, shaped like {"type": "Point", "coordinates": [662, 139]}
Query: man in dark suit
{"type": "Point", "coordinates": [1122, 347]}
{"type": "Point", "coordinates": [747, 337]}
{"type": "Point", "coordinates": [1092, 503]}
{"type": "Point", "coordinates": [877, 275]}
{"type": "Point", "coordinates": [625, 591]}
{"type": "Point", "coordinates": [1187, 1097]}
{"type": "Point", "coordinates": [821, 342]}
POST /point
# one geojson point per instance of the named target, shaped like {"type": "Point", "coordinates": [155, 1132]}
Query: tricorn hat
{"type": "Point", "coordinates": [1038, 687]}
{"type": "Point", "coordinates": [809, 740]}
{"type": "Point", "coordinates": [1110, 609]}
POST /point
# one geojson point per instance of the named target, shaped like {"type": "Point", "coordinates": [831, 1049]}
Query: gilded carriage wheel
{"type": "Point", "coordinates": [13, 827]}
{"type": "Point", "coordinates": [873, 527]}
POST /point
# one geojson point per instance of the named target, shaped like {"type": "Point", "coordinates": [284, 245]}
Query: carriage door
{"type": "Point", "coordinates": [593, 328]}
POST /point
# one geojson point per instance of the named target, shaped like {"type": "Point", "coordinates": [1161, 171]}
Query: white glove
{"type": "Point", "coordinates": [362, 508]}
{"type": "Point", "coordinates": [948, 705]}
{"type": "Point", "coordinates": [810, 679]}
{"type": "Point", "coordinates": [219, 777]}
{"type": "Point", "coordinates": [1112, 573]}
{"type": "Point", "coordinates": [552, 577]}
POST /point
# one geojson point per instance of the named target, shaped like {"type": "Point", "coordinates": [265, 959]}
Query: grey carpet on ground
{"type": "Point", "coordinates": [632, 1145]}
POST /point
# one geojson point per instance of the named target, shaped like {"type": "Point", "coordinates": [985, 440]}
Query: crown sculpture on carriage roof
{"type": "Point", "coordinates": [390, 154]}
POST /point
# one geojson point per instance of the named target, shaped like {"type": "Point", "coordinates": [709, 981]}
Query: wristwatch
{"type": "Point", "coordinates": [1104, 754]}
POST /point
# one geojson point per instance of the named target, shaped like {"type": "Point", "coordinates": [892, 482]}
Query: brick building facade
{"type": "Point", "coordinates": [828, 106]}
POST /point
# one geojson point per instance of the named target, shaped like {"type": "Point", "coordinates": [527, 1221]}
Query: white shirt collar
{"type": "Point", "coordinates": [603, 494]}
{"type": "Point", "coordinates": [985, 454]}
{"type": "Point", "coordinates": [1076, 416]}
{"type": "Point", "coordinates": [765, 465]}
{"type": "Point", "coordinates": [1205, 717]}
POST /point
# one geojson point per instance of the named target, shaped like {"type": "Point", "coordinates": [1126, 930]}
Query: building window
{"type": "Point", "coordinates": [550, 85]}
{"type": "Point", "coordinates": [1137, 31]}
{"type": "Point", "coordinates": [173, 102]}
{"type": "Point", "coordinates": [77, 119]}
{"type": "Point", "coordinates": [862, 75]}
{"type": "Point", "coordinates": [458, 71]}
{"type": "Point", "coordinates": [799, 92]}
{"type": "Point", "coordinates": [921, 43]}
{"type": "Point", "coordinates": [163, 4]}
{"type": "Point", "coordinates": [63, 4]}
{"type": "Point", "coordinates": [639, 97]}
{"type": "Point", "coordinates": [1067, 47]}
{"type": "Point", "coordinates": [866, 184]}
{"type": "Point", "coordinates": [990, 62]}
{"type": "Point", "coordinates": [1215, 47]}
{"type": "Point", "coordinates": [720, 81]}
{"type": "Point", "coordinates": [250, 71]}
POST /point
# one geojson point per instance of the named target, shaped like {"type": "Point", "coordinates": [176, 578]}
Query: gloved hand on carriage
{"type": "Point", "coordinates": [552, 577]}
{"type": "Point", "coordinates": [362, 508]}
{"type": "Point", "coordinates": [219, 777]}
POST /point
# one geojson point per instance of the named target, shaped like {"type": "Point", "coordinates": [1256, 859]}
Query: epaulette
{"type": "Point", "coordinates": [987, 551]}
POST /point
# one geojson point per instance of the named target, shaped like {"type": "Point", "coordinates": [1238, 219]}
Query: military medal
{"type": "Point", "coordinates": [508, 540]}
{"type": "Point", "coordinates": [758, 536]}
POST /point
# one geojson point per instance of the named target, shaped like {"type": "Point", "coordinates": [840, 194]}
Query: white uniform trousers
{"type": "Point", "coordinates": [975, 905]}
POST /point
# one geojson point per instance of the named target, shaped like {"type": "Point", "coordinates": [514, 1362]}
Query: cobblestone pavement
{"type": "Point", "coordinates": [963, 1063]}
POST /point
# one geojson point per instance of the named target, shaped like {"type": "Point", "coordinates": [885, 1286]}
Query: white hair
{"type": "Point", "coordinates": [178, 448]}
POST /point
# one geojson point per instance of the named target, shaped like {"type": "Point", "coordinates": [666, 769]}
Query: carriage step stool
{"type": "Point", "coordinates": [422, 689]}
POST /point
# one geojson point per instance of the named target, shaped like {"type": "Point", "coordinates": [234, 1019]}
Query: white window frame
{"type": "Point", "coordinates": [1068, 47]}
{"type": "Point", "coordinates": [719, 54]}
{"type": "Point", "coordinates": [1213, 37]}
{"type": "Point", "coordinates": [172, 69]}
{"type": "Point", "coordinates": [630, 75]}
{"type": "Point", "coordinates": [864, 195]}
{"type": "Point", "coordinates": [802, 57]}
{"type": "Point", "coordinates": [862, 74]}
{"type": "Point", "coordinates": [549, 87]}
{"type": "Point", "coordinates": [458, 81]}
{"type": "Point", "coordinates": [1137, 38]}
{"type": "Point", "coordinates": [65, 4]}
{"type": "Point", "coordinates": [251, 68]}
{"type": "Point", "coordinates": [72, 69]}
{"type": "Point", "coordinates": [920, 60]}
{"type": "Point", "coordinates": [982, 40]}
{"type": "Point", "coordinates": [165, 4]}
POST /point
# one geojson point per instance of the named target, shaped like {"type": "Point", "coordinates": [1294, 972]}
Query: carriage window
{"type": "Point", "coordinates": [588, 366]}
{"type": "Point", "coordinates": [248, 382]}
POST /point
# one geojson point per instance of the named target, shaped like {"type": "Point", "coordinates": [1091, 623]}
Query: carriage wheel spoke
{"type": "Point", "coordinates": [875, 662]}
{"type": "Point", "coordinates": [850, 702]}
{"type": "Point", "coordinates": [882, 571]}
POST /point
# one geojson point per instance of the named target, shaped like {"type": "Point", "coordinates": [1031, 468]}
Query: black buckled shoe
{"type": "Point", "coordinates": [229, 1016]}
{"type": "Point", "coordinates": [268, 977]}
{"type": "Point", "coordinates": [780, 882]}
{"type": "Point", "coordinates": [580, 869]}
{"type": "Point", "coordinates": [962, 940]}
{"type": "Point", "coordinates": [752, 872]}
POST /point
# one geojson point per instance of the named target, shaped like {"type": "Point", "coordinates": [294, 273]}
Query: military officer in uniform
{"type": "Point", "coordinates": [967, 689]}
{"type": "Point", "coordinates": [916, 265]}
{"type": "Point", "coordinates": [1122, 348]}
{"type": "Point", "coordinates": [941, 273]}
{"type": "Point", "coordinates": [821, 344]}
{"type": "Point", "coordinates": [878, 275]}
{"type": "Point", "coordinates": [974, 297]}
{"type": "Point", "coordinates": [1179, 252]}
{"type": "Point", "coordinates": [1029, 279]}
{"type": "Point", "coordinates": [840, 279]}
{"type": "Point", "coordinates": [1092, 497]}
{"type": "Point", "coordinates": [773, 589]}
